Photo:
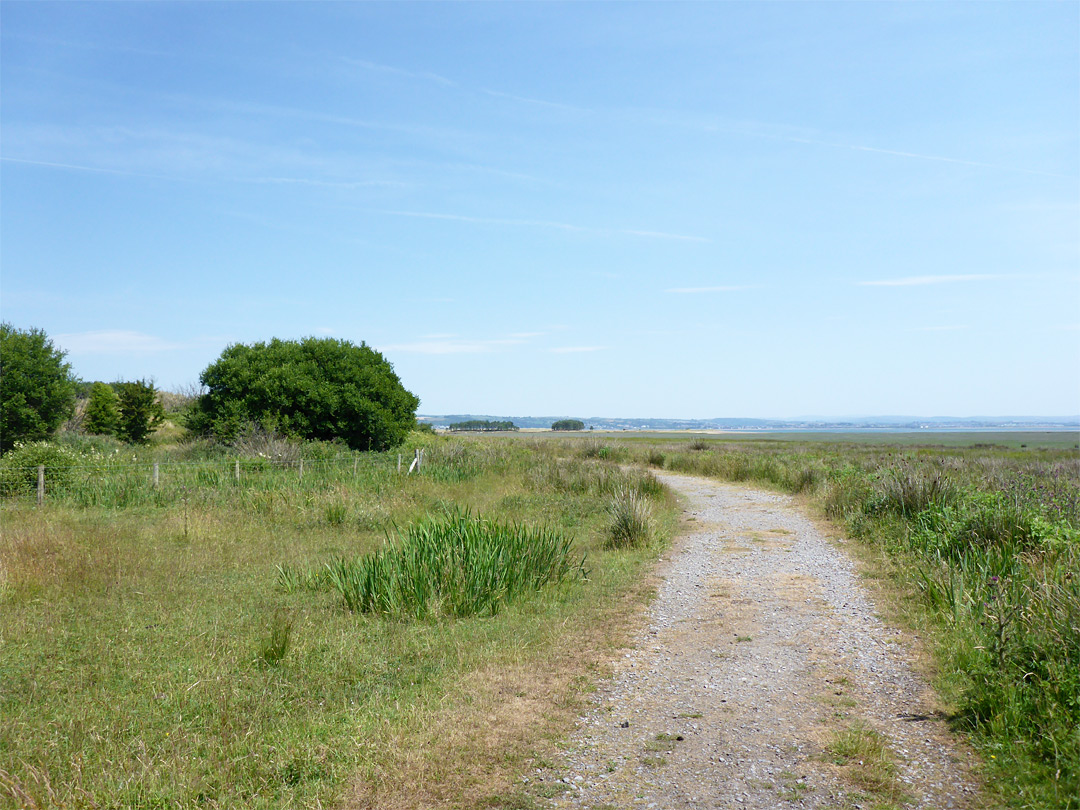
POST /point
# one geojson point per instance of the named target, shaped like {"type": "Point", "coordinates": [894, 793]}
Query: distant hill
{"type": "Point", "coordinates": [802, 423]}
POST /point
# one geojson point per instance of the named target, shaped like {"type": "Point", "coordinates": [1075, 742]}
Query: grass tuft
{"type": "Point", "coordinates": [630, 524]}
{"type": "Point", "coordinates": [458, 565]}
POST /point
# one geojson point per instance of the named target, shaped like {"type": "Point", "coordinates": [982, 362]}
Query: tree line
{"type": "Point", "coordinates": [315, 388]}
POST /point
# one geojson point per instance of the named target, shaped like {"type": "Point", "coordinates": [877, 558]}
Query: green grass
{"type": "Point", "coordinates": [151, 657]}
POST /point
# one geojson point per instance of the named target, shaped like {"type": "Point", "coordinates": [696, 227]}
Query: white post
{"type": "Point", "coordinates": [399, 462]}
{"type": "Point", "coordinates": [236, 471]}
{"type": "Point", "coordinates": [301, 469]}
{"type": "Point", "coordinates": [155, 475]}
{"type": "Point", "coordinates": [40, 484]}
{"type": "Point", "coordinates": [355, 461]}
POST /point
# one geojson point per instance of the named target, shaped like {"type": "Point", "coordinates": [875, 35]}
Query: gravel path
{"type": "Point", "coordinates": [760, 646]}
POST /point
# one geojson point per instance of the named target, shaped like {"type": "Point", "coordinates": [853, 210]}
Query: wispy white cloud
{"type": "Point", "coordinates": [449, 346]}
{"type": "Point", "coordinates": [576, 349]}
{"type": "Point", "coordinates": [120, 341]}
{"type": "Point", "coordinates": [916, 281]}
{"type": "Point", "coordinates": [920, 156]}
{"type": "Point", "coordinates": [526, 335]}
{"type": "Point", "coordinates": [555, 105]}
{"type": "Point", "coordinates": [377, 67]}
{"type": "Point", "coordinates": [721, 288]}
{"type": "Point", "coordinates": [537, 223]}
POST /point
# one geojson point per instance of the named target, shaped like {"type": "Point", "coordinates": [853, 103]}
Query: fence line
{"type": "Point", "coordinates": [92, 479]}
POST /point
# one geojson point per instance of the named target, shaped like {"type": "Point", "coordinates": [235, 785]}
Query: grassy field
{"type": "Point", "coordinates": [181, 646]}
{"type": "Point", "coordinates": [189, 645]}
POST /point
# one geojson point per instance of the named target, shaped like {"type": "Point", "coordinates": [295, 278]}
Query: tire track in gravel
{"type": "Point", "coordinates": [760, 645]}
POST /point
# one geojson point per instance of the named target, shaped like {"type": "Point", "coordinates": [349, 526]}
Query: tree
{"type": "Point", "coordinates": [140, 411]}
{"type": "Point", "coordinates": [102, 414]}
{"type": "Point", "coordinates": [315, 388]}
{"type": "Point", "coordinates": [37, 389]}
{"type": "Point", "coordinates": [568, 424]}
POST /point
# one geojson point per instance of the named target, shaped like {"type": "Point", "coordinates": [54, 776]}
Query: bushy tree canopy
{"type": "Point", "coordinates": [568, 424]}
{"type": "Point", "coordinates": [102, 414]}
{"type": "Point", "coordinates": [140, 411]}
{"type": "Point", "coordinates": [37, 389]}
{"type": "Point", "coordinates": [315, 388]}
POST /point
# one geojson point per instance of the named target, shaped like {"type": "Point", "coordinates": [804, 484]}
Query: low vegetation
{"type": "Point", "coordinates": [275, 624]}
{"type": "Point", "coordinates": [483, 426]}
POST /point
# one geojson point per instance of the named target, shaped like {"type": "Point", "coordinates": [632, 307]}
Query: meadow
{"type": "Point", "coordinates": [223, 639]}
{"type": "Point", "coordinates": [185, 645]}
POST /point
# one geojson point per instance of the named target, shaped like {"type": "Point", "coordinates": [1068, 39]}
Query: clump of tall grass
{"type": "Point", "coordinates": [268, 444]}
{"type": "Point", "coordinates": [274, 648]}
{"type": "Point", "coordinates": [630, 519]}
{"type": "Point", "coordinates": [908, 490]}
{"type": "Point", "coordinates": [655, 458]}
{"type": "Point", "coordinates": [458, 565]}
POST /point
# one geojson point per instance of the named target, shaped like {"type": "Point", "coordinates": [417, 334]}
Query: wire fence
{"type": "Point", "coordinates": [111, 483]}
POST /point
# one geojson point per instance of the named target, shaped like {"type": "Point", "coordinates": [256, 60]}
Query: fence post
{"type": "Point", "coordinates": [236, 471]}
{"type": "Point", "coordinates": [399, 463]}
{"type": "Point", "coordinates": [355, 461]}
{"type": "Point", "coordinates": [155, 479]}
{"type": "Point", "coordinates": [40, 484]}
{"type": "Point", "coordinates": [301, 469]}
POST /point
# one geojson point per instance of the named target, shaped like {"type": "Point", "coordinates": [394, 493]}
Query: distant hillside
{"type": "Point", "coordinates": [807, 423]}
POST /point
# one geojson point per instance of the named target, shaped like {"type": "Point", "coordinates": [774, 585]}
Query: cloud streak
{"type": "Point", "coordinates": [920, 156]}
{"type": "Point", "coordinates": [919, 281]}
{"type": "Point", "coordinates": [696, 290]}
{"type": "Point", "coordinates": [118, 341]}
{"type": "Point", "coordinates": [538, 223]}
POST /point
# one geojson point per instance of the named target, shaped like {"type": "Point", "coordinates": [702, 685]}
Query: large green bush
{"type": "Point", "coordinates": [315, 388]}
{"type": "Point", "coordinates": [102, 415]}
{"type": "Point", "coordinates": [37, 389]}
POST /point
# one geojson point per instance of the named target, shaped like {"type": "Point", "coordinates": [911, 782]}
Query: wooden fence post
{"type": "Point", "coordinates": [301, 470]}
{"type": "Point", "coordinates": [355, 462]}
{"type": "Point", "coordinates": [399, 463]}
{"type": "Point", "coordinates": [40, 484]}
{"type": "Point", "coordinates": [155, 478]}
{"type": "Point", "coordinates": [236, 471]}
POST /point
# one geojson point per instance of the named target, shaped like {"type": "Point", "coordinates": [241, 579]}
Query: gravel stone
{"type": "Point", "coordinates": [760, 644]}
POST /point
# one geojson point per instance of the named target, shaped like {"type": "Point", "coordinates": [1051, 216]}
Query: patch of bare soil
{"type": "Point", "coordinates": [762, 679]}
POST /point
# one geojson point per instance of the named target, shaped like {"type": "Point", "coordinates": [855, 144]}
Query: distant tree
{"type": "Point", "coordinates": [102, 414]}
{"type": "Point", "coordinates": [483, 425]}
{"type": "Point", "coordinates": [140, 411]}
{"type": "Point", "coordinates": [315, 388]}
{"type": "Point", "coordinates": [37, 389]}
{"type": "Point", "coordinates": [568, 424]}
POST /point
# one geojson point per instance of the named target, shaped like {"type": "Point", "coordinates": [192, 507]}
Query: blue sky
{"type": "Point", "coordinates": [643, 209]}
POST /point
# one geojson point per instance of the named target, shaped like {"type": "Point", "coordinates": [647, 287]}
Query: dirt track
{"type": "Point", "coordinates": [760, 647]}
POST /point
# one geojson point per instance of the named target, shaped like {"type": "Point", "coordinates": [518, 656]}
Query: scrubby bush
{"type": "Point", "coordinates": [19, 467]}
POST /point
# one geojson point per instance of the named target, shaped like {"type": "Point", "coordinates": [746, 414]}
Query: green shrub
{"type": "Point", "coordinates": [19, 467]}
{"type": "Point", "coordinates": [37, 389]}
